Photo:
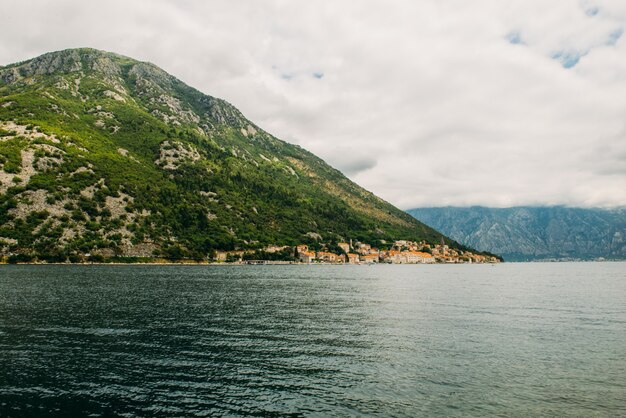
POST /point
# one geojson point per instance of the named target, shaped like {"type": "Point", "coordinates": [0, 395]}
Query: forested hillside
{"type": "Point", "coordinates": [104, 155]}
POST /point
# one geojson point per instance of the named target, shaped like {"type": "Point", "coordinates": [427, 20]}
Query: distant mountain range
{"type": "Point", "coordinates": [533, 233]}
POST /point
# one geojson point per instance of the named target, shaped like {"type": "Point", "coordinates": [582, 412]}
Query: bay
{"type": "Point", "coordinates": [516, 339]}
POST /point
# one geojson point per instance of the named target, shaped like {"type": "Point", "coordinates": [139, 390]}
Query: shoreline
{"type": "Point", "coordinates": [288, 263]}
{"type": "Point", "coordinates": [268, 263]}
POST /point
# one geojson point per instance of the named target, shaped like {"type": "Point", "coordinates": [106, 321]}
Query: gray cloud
{"type": "Point", "coordinates": [424, 103]}
{"type": "Point", "coordinates": [355, 166]}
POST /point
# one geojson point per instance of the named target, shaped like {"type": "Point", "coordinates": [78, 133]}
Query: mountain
{"type": "Point", "coordinates": [104, 155]}
{"type": "Point", "coordinates": [533, 233]}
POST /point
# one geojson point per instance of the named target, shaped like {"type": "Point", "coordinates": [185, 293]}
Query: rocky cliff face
{"type": "Point", "coordinates": [532, 233]}
{"type": "Point", "coordinates": [103, 154]}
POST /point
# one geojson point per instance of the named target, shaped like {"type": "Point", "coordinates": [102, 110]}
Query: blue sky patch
{"type": "Point", "coordinates": [614, 36]}
{"type": "Point", "coordinates": [318, 74]}
{"type": "Point", "coordinates": [592, 11]}
{"type": "Point", "coordinates": [514, 38]}
{"type": "Point", "coordinates": [568, 59]}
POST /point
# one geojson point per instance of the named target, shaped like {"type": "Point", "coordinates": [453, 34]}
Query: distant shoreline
{"type": "Point", "coordinates": [268, 263]}
{"type": "Point", "coordinates": [274, 263]}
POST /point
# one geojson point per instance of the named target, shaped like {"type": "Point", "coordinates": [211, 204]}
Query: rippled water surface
{"type": "Point", "coordinates": [467, 340]}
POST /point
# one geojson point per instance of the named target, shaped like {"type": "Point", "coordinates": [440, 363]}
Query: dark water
{"type": "Point", "coordinates": [509, 340]}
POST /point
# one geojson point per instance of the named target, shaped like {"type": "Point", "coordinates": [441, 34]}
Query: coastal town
{"type": "Point", "coordinates": [400, 252]}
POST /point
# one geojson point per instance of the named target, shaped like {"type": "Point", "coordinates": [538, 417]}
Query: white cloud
{"type": "Point", "coordinates": [424, 103]}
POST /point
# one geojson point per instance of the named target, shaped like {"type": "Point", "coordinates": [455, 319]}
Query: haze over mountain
{"type": "Point", "coordinates": [103, 154]}
{"type": "Point", "coordinates": [533, 233]}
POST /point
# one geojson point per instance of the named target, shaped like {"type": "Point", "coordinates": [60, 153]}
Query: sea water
{"type": "Point", "coordinates": [388, 340]}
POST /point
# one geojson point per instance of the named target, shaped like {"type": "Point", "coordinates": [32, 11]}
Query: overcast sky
{"type": "Point", "coordinates": [425, 103]}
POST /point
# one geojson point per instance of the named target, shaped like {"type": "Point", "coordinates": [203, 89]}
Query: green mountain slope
{"type": "Point", "coordinates": [102, 154]}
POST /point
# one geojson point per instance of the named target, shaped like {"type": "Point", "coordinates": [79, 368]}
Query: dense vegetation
{"type": "Point", "coordinates": [105, 156]}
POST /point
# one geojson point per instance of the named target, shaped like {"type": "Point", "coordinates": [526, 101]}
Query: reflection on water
{"type": "Point", "coordinates": [514, 339]}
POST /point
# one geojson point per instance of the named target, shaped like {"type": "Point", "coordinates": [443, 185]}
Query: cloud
{"type": "Point", "coordinates": [424, 103]}
{"type": "Point", "coordinates": [355, 166]}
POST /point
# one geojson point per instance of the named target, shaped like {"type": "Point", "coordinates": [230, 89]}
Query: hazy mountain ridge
{"type": "Point", "coordinates": [103, 154]}
{"type": "Point", "coordinates": [533, 233]}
